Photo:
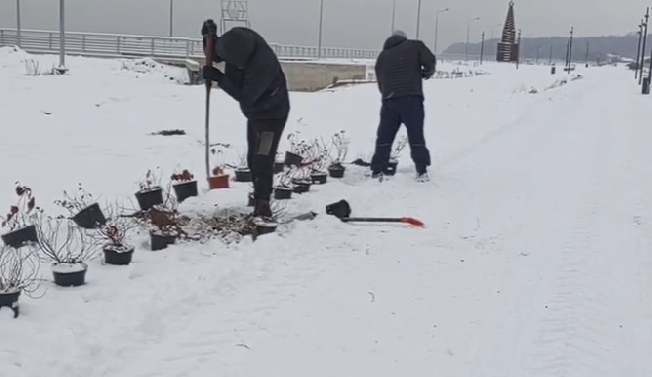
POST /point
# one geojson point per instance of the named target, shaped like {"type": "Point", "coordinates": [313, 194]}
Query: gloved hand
{"type": "Point", "coordinates": [211, 73]}
{"type": "Point", "coordinates": [209, 29]}
{"type": "Point", "coordinates": [427, 74]}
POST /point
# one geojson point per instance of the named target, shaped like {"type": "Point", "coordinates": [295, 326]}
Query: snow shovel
{"type": "Point", "coordinates": [342, 210]}
{"type": "Point", "coordinates": [209, 52]}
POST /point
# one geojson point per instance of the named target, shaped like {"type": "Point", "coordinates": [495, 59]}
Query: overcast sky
{"type": "Point", "coordinates": [347, 23]}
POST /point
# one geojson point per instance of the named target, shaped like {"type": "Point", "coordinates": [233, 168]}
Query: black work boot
{"type": "Point", "coordinates": [262, 209]}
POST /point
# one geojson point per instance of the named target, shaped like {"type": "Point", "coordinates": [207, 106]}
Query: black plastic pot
{"type": "Point", "coordinates": [70, 279]}
{"type": "Point", "coordinates": [20, 237]}
{"type": "Point", "coordinates": [90, 217]}
{"type": "Point", "coordinates": [265, 228]}
{"type": "Point", "coordinates": [184, 190]}
{"type": "Point", "coordinates": [251, 201]}
{"type": "Point", "coordinates": [150, 198]}
{"type": "Point", "coordinates": [301, 186]}
{"type": "Point", "coordinates": [118, 255]}
{"type": "Point", "coordinates": [278, 167]}
{"type": "Point", "coordinates": [293, 159]}
{"type": "Point", "coordinates": [160, 241]}
{"type": "Point", "coordinates": [281, 193]}
{"type": "Point", "coordinates": [243, 175]}
{"type": "Point", "coordinates": [318, 178]}
{"type": "Point", "coordinates": [336, 171]}
{"type": "Point", "coordinates": [341, 209]}
{"type": "Point", "coordinates": [391, 168]}
{"type": "Point", "coordinates": [10, 300]}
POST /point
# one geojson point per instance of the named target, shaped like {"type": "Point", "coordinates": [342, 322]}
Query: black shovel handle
{"type": "Point", "coordinates": [405, 220]}
{"type": "Point", "coordinates": [372, 219]}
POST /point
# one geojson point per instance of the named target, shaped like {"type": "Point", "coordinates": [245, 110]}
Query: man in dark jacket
{"type": "Point", "coordinates": [400, 69]}
{"type": "Point", "coordinates": [253, 77]}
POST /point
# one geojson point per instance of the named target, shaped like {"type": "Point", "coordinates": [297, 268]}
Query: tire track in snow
{"type": "Point", "coordinates": [523, 152]}
{"type": "Point", "coordinates": [633, 338]}
{"type": "Point", "coordinates": [569, 336]}
{"type": "Point", "coordinates": [572, 333]}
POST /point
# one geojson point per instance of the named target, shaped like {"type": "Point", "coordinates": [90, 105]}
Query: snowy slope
{"type": "Point", "coordinates": [535, 260]}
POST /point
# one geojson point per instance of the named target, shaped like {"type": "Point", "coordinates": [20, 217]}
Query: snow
{"type": "Point", "coordinates": [535, 259]}
{"type": "Point", "coordinates": [68, 268]}
{"type": "Point", "coordinates": [118, 248]}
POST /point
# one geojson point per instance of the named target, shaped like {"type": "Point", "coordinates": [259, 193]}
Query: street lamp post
{"type": "Point", "coordinates": [569, 51]}
{"type": "Point", "coordinates": [519, 49]}
{"type": "Point", "coordinates": [18, 33]}
{"type": "Point", "coordinates": [649, 74]}
{"type": "Point", "coordinates": [638, 51]}
{"type": "Point", "coordinates": [171, 15]}
{"type": "Point", "coordinates": [393, 17]}
{"type": "Point", "coordinates": [62, 37]}
{"type": "Point", "coordinates": [321, 27]}
{"type": "Point", "coordinates": [437, 26]}
{"type": "Point", "coordinates": [468, 32]}
{"type": "Point", "coordinates": [418, 17]}
{"type": "Point", "coordinates": [645, 26]}
{"type": "Point", "coordinates": [482, 49]}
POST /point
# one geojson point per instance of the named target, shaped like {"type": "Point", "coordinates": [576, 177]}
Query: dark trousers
{"type": "Point", "coordinates": [394, 112]}
{"type": "Point", "coordinates": [262, 140]}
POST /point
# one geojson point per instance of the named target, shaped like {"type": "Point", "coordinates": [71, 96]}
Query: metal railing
{"type": "Point", "coordinates": [114, 45]}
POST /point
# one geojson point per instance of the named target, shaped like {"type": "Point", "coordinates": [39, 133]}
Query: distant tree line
{"type": "Point", "coordinates": [540, 47]}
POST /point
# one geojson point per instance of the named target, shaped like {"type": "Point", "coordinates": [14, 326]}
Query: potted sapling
{"type": "Point", "coordinates": [68, 247]}
{"type": "Point", "coordinates": [279, 164]}
{"type": "Point", "coordinates": [150, 193]}
{"type": "Point", "coordinates": [84, 211]}
{"type": "Point", "coordinates": [219, 179]}
{"type": "Point", "coordinates": [19, 222]}
{"type": "Point", "coordinates": [242, 171]}
{"type": "Point", "coordinates": [293, 157]}
{"type": "Point", "coordinates": [284, 188]}
{"type": "Point", "coordinates": [392, 164]}
{"type": "Point", "coordinates": [341, 145]}
{"type": "Point", "coordinates": [184, 184]}
{"type": "Point", "coordinates": [112, 235]}
{"type": "Point", "coordinates": [320, 152]}
{"type": "Point", "coordinates": [165, 229]}
{"type": "Point", "coordinates": [19, 272]}
{"type": "Point", "coordinates": [301, 181]}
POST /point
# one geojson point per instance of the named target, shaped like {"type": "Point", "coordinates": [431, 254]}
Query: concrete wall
{"type": "Point", "coordinates": [311, 76]}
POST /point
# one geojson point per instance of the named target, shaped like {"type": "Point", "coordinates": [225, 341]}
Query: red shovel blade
{"type": "Point", "coordinates": [412, 221]}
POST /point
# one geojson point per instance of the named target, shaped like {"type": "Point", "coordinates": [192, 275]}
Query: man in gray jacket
{"type": "Point", "coordinates": [400, 69]}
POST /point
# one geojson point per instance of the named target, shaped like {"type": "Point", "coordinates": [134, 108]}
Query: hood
{"type": "Point", "coordinates": [236, 49]}
{"type": "Point", "coordinates": [393, 41]}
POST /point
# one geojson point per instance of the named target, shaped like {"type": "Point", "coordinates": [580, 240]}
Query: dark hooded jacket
{"type": "Point", "coordinates": [401, 67]}
{"type": "Point", "coordinates": [253, 75]}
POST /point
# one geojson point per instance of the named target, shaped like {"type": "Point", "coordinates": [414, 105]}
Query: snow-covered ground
{"type": "Point", "coordinates": [535, 259]}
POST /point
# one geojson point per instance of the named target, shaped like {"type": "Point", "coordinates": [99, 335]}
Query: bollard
{"type": "Point", "coordinates": [646, 85]}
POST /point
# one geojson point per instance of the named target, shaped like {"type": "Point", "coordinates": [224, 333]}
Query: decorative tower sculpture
{"type": "Point", "coordinates": [234, 13]}
{"type": "Point", "coordinates": [508, 50]}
